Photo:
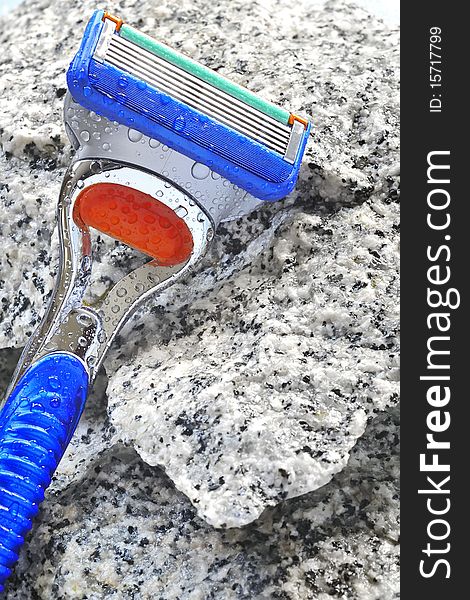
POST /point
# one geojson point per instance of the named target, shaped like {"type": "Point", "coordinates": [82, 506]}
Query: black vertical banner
{"type": "Point", "coordinates": [435, 338]}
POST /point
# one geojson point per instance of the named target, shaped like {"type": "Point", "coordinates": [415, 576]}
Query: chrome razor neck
{"type": "Point", "coordinates": [108, 152]}
{"type": "Point", "coordinates": [87, 330]}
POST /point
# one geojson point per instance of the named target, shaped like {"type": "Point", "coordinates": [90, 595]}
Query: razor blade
{"type": "Point", "coordinates": [132, 79]}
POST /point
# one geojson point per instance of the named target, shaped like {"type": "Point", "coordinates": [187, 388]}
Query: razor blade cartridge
{"type": "Point", "coordinates": [128, 77]}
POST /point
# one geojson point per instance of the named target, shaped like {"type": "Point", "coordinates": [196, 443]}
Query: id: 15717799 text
{"type": "Point", "coordinates": [435, 69]}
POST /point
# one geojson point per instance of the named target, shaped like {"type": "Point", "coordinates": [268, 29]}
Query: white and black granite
{"type": "Point", "coordinates": [258, 390]}
{"type": "Point", "coordinates": [121, 530]}
{"type": "Point", "coordinates": [252, 383]}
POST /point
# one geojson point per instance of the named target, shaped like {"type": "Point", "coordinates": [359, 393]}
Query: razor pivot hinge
{"type": "Point", "coordinates": [96, 137]}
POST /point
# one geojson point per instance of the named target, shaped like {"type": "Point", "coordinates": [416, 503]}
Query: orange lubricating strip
{"type": "Point", "coordinates": [293, 118]}
{"type": "Point", "coordinates": [137, 219]}
{"type": "Point", "coordinates": [119, 22]}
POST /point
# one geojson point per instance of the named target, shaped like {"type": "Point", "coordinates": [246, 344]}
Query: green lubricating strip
{"type": "Point", "coordinates": [207, 75]}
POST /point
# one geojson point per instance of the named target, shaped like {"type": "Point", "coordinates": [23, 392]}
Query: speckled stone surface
{"type": "Point", "coordinates": [263, 385]}
{"type": "Point", "coordinates": [122, 531]}
{"type": "Point", "coordinates": [256, 379]}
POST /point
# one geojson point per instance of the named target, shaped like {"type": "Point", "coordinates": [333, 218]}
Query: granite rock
{"type": "Point", "coordinates": [122, 531]}
{"type": "Point", "coordinates": [256, 380]}
{"type": "Point", "coordinates": [252, 382]}
{"type": "Point", "coordinates": [257, 391]}
{"type": "Point", "coordinates": [339, 67]}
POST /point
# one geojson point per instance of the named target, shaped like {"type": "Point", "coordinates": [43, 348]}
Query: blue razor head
{"type": "Point", "coordinates": [126, 77]}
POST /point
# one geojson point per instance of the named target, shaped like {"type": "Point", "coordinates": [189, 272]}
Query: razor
{"type": "Point", "coordinates": [165, 150]}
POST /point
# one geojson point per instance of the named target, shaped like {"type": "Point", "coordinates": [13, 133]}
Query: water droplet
{"type": "Point", "coordinates": [91, 361]}
{"type": "Point", "coordinates": [94, 116]}
{"type": "Point", "coordinates": [164, 223]}
{"type": "Point", "coordinates": [200, 171]}
{"type": "Point", "coordinates": [84, 319]}
{"type": "Point", "coordinates": [123, 82]}
{"type": "Point", "coordinates": [215, 175]}
{"type": "Point", "coordinates": [115, 308]}
{"type": "Point", "coordinates": [179, 123]}
{"type": "Point", "coordinates": [134, 135]}
{"type": "Point", "coordinates": [101, 337]}
{"type": "Point", "coordinates": [85, 135]}
{"type": "Point", "coordinates": [14, 510]}
{"type": "Point", "coordinates": [181, 211]}
{"type": "Point", "coordinates": [139, 287]}
{"type": "Point", "coordinates": [82, 341]}
{"type": "Point", "coordinates": [87, 91]}
{"type": "Point", "coordinates": [80, 184]}
{"type": "Point", "coordinates": [121, 292]}
{"type": "Point", "coordinates": [55, 401]}
{"type": "Point", "coordinates": [54, 382]}
{"type": "Point", "coordinates": [106, 147]}
{"type": "Point", "coordinates": [159, 194]}
{"type": "Point", "coordinates": [153, 143]}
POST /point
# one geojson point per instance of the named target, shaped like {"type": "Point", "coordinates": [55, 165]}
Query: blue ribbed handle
{"type": "Point", "coordinates": [36, 425]}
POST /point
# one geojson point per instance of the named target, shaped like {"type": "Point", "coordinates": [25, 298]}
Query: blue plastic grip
{"type": "Point", "coordinates": [36, 424]}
